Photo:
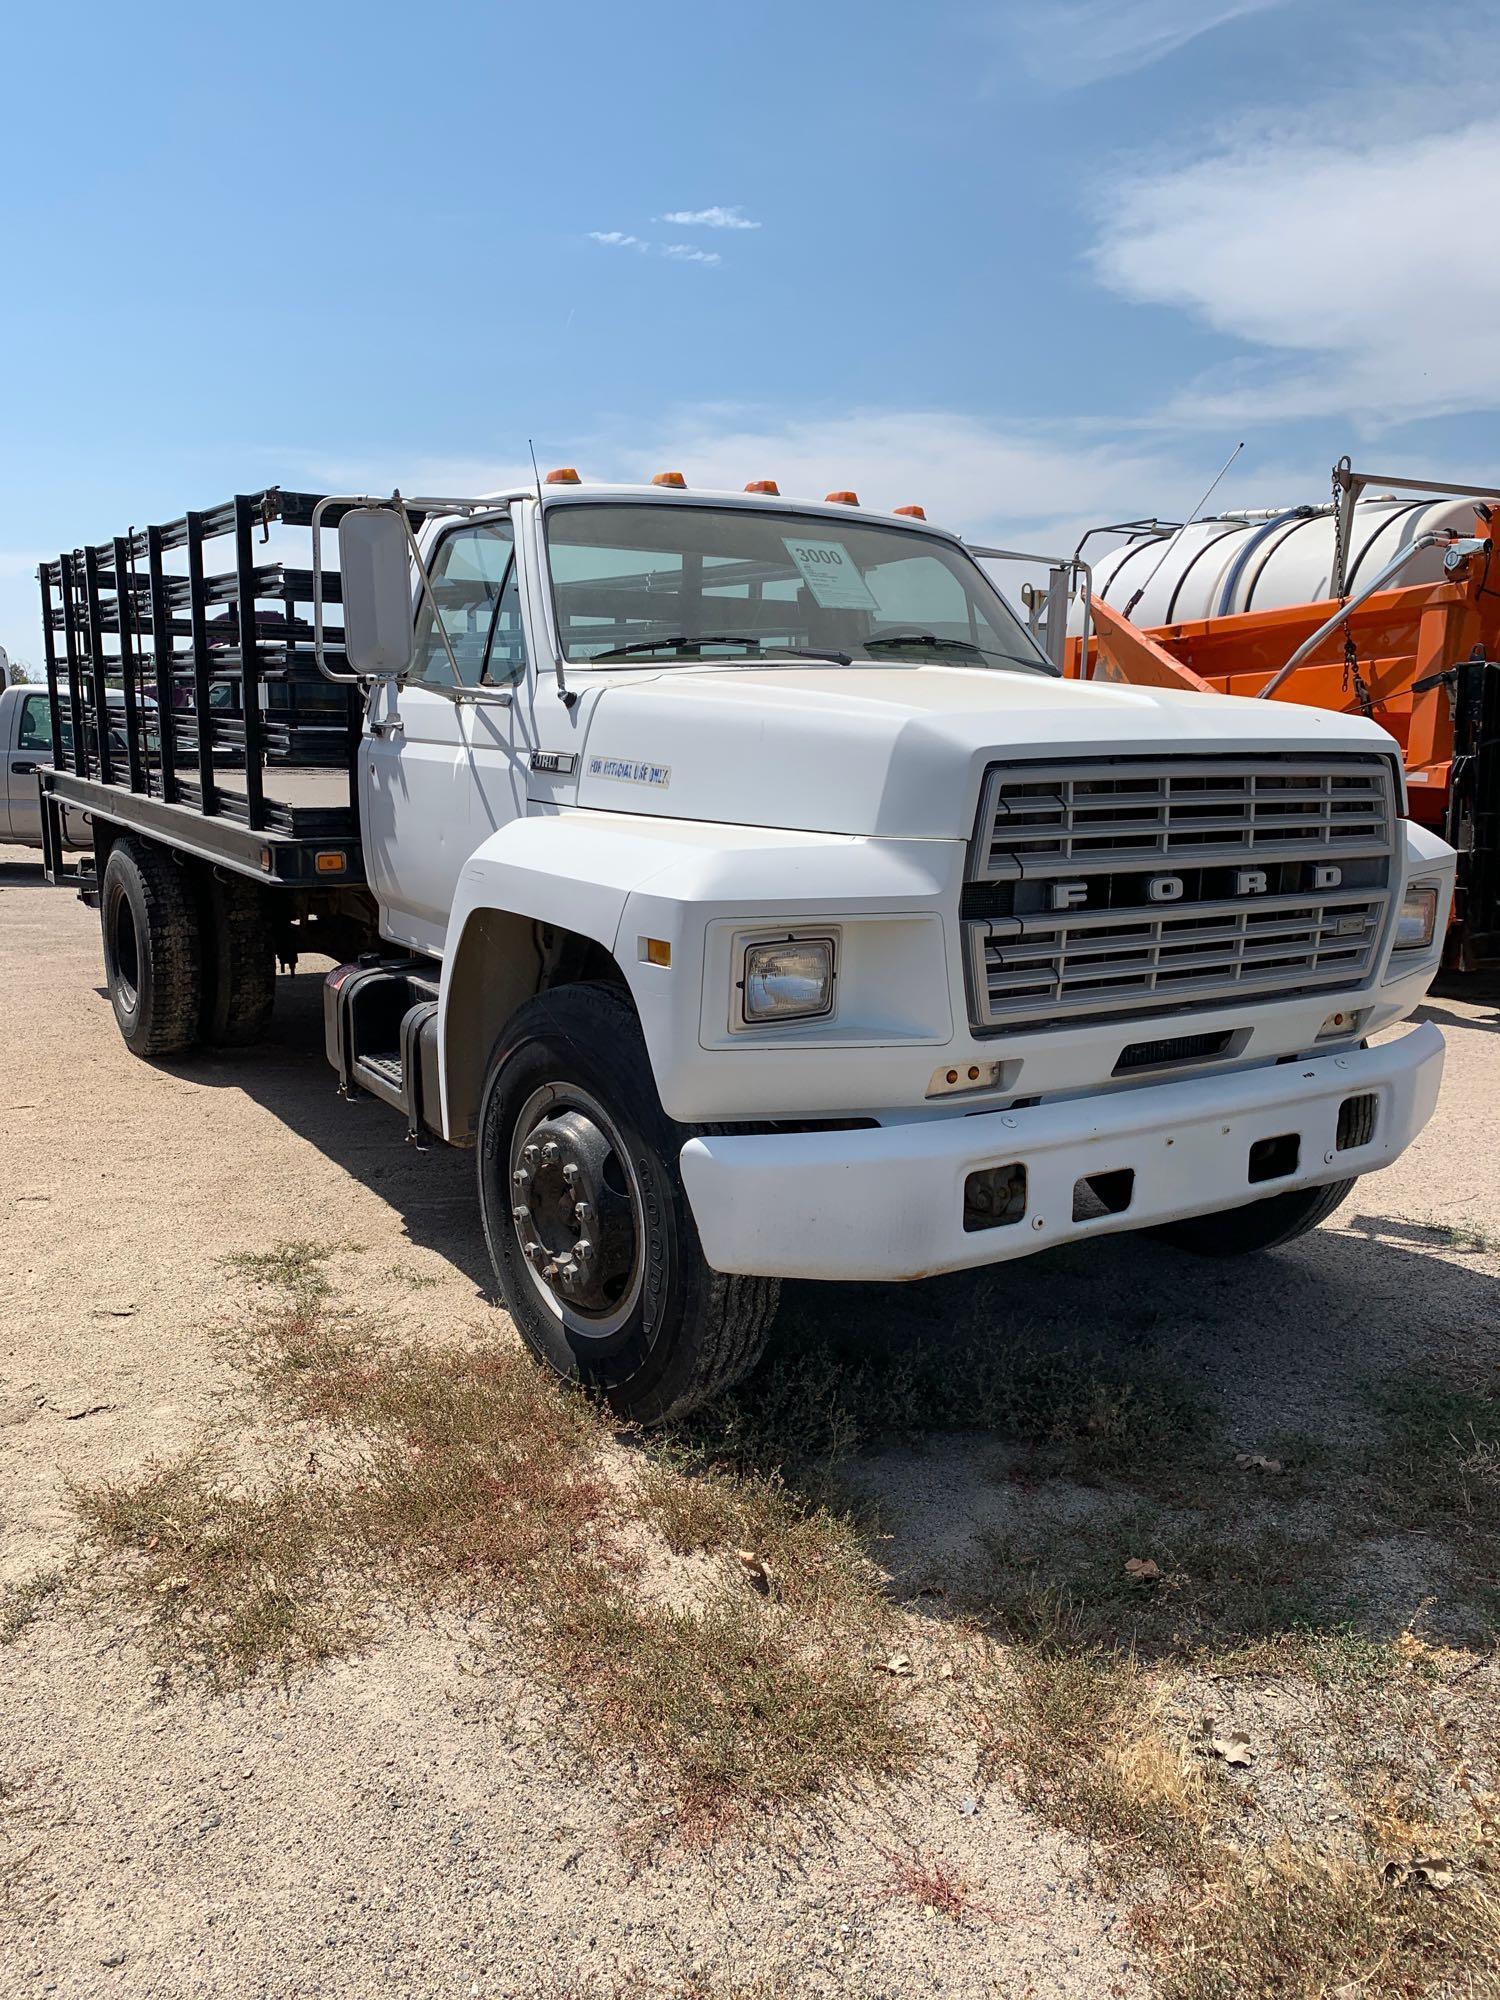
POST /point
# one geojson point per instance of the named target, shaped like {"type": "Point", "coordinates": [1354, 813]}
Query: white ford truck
{"type": "Point", "coordinates": [741, 882]}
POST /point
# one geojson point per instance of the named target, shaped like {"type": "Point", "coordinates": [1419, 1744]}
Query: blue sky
{"type": "Point", "coordinates": [1032, 265]}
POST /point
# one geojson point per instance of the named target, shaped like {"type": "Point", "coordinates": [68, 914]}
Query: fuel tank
{"type": "Point", "coordinates": [1262, 561]}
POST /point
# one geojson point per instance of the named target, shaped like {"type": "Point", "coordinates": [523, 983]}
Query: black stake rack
{"type": "Point", "coordinates": [185, 697]}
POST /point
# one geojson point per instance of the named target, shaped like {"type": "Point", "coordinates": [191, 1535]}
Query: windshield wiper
{"type": "Point", "coordinates": [700, 639]}
{"type": "Point", "coordinates": [941, 645]}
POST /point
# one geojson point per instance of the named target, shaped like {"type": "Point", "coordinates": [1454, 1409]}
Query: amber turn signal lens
{"type": "Point", "coordinates": [329, 862]}
{"type": "Point", "coordinates": [564, 476]}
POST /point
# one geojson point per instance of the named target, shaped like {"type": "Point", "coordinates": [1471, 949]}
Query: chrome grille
{"type": "Point", "coordinates": [1126, 814]}
{"type": "Point", "coordinates": [1182, 883]}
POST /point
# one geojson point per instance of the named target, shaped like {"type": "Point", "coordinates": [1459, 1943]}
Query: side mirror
{"type": "Point", "coordinates": [374, 568]}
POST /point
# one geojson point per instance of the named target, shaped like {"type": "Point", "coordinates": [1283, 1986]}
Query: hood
{"type": "Point", "coordinates": [896, 751]}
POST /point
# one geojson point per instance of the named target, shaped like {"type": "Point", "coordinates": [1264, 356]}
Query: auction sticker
{"type": "Point", "coordinates": [831, 574]}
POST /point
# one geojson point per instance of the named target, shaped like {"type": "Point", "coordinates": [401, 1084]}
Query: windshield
{"type": "Point", "coordinates": [648, 581]}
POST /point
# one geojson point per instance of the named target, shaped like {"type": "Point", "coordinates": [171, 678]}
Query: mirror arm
{"type": "Point", "coordinates": [400, 506]}
{"type": "Point", "coordinates": [328, 673]}
{"type": "Point", "coordinates": [468, 509]}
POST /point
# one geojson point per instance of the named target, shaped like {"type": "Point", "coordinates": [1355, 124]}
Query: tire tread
{"type": "Point", "coordinates": [173, 947]}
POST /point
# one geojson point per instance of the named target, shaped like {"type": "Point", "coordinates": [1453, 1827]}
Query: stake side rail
{"type": "Point", "coordinates": [185, 696]}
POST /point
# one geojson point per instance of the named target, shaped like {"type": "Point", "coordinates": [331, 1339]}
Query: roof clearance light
{"type": "Point", "coordinates": [564, 476]}
{"type": "Point", "coordinates": [915, 513]}
{"type": "Point", "coordinates": [843, 499]}
{"type": "Point", "coordinates": [762, 486]}
{"type": "Point", "coordinates": [668, 479]}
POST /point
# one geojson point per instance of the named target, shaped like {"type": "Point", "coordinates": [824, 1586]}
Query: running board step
{"type": "Point", "coordinates": [380, 1020]}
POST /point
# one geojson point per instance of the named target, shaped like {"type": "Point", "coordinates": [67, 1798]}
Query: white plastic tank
{"type": "Point", "coordinates": [1275, 557]}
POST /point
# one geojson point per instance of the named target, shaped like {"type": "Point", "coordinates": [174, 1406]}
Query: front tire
{"type": "Point", "coordinates": [153, 949]}
{"type": "Point", "coordinates": [1258, 1225]}
{"type": "Point", "coordinates": [588, 1224]}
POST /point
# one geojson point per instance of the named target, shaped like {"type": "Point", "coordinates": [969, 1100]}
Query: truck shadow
{"type": "Point", "coordinates": [430, 1191]}
{"type": "Point", "coordinates": [1303, 1446]}
{"type": "Point", "coordinates": [1008, 1439]}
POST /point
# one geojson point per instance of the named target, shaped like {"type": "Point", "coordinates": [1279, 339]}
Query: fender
{"type": "Point", "coordinates": [574, 870]}
{"type": "Point", "coordinates": [614, 878]}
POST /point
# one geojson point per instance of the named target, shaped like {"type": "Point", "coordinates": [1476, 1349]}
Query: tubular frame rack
{"type": "Point", "coordinates": [186, 700]}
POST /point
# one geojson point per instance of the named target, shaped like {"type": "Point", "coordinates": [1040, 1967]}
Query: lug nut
{"type": "Point", "coordinates": [549, 1272]}
{"type": "Point", "coordinates": [551, 1152]}
{"type": "Point", "coordinates": [582, 1211]}
{"type": "Point", "coordinates": [570, 1173]}
{"type": "Point", "coordinates": [531, 1155]}
{"type": "Point", "coordinates": [521, 1213]}
{"type": "Point", "coordinates": [583, 1250]}
{"type": "Point", "coordinates": [535, 1251]}
{"type": "Point", "coordinates": [520, 1177]}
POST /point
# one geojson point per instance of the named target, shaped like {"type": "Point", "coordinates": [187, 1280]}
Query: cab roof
{"type": "Point", "coordinates": [585, 490]}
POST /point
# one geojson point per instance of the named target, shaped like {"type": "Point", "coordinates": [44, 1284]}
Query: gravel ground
{"type": "Point", "coordinates": [415, 1820]}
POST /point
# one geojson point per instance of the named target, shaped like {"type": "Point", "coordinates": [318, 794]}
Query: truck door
{"type": "Point", "coordinates": [441, 763]}
{"type": "Point", "coordinates": [29, 748]}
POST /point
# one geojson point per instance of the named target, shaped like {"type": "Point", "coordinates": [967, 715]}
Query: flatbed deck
{"type": "Point", "coordinates": [186, 698]}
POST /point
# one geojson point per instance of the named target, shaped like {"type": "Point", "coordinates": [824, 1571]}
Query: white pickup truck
{"type": "Point", "coordinates": [739, 879]}
{"type": "Point", "coordinates": [26, 750]}
{"type": "Point", "coordinates": [25, 746]}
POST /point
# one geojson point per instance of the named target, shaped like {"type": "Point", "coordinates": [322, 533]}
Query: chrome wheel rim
{"type": "Point", "coordinates": [576, 1210]}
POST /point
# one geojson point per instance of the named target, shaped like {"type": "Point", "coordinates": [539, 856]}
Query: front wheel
{"type": "Point", "coordinates": [1258, 1225]}
{"type": "Point", "coordinates": [587, 1221]}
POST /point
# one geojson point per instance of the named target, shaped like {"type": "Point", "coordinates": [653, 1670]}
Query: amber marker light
{"type": "Point", "coordinates": [913, 513]}
{"type": "Point", "coordinates": [843, 498]}
{"type": "Point", "coordinates": [668, 479]}
{"type": "Point", "coordinates": [565, 475]}
{"type": "Point", "coordinates": [762, 486]}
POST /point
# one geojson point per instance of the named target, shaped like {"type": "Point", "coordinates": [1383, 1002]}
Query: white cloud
{"type": "Point", "coordinates": [681, 253]}
{"type": "Point", "coordinates": [1076, 42]}
{"type": "Point", "coordinates": [1357, 264]}
{"type": "Point", "coordinates": [710, 218]}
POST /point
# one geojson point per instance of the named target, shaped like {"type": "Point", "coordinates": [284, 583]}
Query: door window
{"type": "Point", "coordinates": [36, 724]}
{"type": "Point", "coordinates": [473, 575]}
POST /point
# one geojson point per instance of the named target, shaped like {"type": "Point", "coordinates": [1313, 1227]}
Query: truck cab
{"type": "Point", "coordinates": [25, 749]}
{"type": "Point", "coordinates": [741, 881]}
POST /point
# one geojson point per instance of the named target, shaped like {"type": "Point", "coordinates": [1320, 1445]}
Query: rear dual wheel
{"type": "Point", "coordinates": [1257, 1225]}
{"type": "Point", "coordinates": [587, 1221]}
{"type": "Point", "coordinates": [153, 948]}
{"type": "Point", "coordinates": [186, 959]}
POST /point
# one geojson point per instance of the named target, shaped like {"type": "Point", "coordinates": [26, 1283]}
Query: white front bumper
{"type": "Point", "coordinates": [888, 1202]}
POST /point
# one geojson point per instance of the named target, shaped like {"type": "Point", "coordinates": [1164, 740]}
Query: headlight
{"type": "Point", "coordinates": [790, 980]}
{"type": "Point", "coordinates": [1417, 923]}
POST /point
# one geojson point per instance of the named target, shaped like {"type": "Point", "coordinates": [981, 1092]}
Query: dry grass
{"type": "Point", "coordinates": [738, 1705]}
{"type": "Point", "coordinates": [913, 1877]}
{"type": "Point", "coordinates": [1326, 1931]}
{"type": "Point", "coordinates": [707, 1610]}
{"type": "Point", "coordinates": [1079, 1737]}
{"type": "Point", "coordinates": [22, 1603]}
{"type": "Point", "coordinates": [442, 1476]}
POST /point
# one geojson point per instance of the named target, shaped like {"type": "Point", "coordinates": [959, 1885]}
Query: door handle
{"type": "Point", "coordinates": [25, 770]}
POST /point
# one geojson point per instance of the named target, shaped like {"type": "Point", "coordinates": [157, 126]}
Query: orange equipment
{"type": "Point", "coordinates": [1423, 660]}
